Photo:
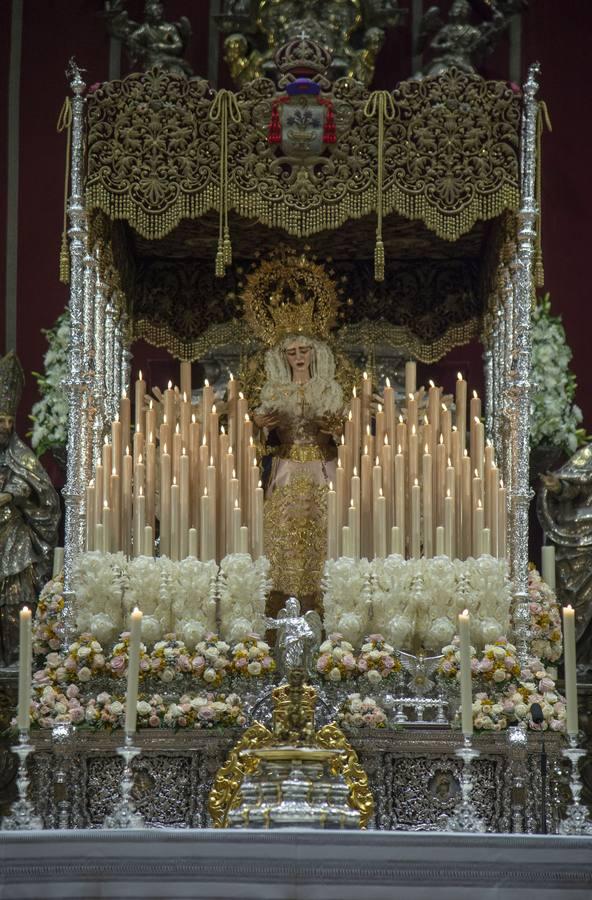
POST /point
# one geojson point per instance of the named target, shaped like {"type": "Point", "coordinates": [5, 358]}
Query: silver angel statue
{"type": "Point", "coordinates": [154, 42]}
{"type": "Point", "coordinates": [298, 638]}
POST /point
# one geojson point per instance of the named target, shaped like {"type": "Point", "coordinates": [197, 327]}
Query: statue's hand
{"type": "Point", "coordinates": [5, 498]}
{"type": "Point", "coordinates": [267, 420]}
{"type": "Point", "coordinates": [551, 482]}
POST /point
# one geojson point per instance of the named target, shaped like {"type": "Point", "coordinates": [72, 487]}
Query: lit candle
{"type": "Point", "coordinates": [441, 457]}
{"type": "Point", "coordinates": [133, 669]}
{"type": "Point", "coordinates": [150, 480]}
{"type": "Point", "coordinates": [212, 496]}
{"type": "Point", "coordinates": [183, 504]}
{"type": "Point", "coordinates": [356, 411]}
{"type": "Point", "coordinates": [139, 522]}
{"type": "Point", "coordinates": [107, 462]}
{"type": "Point", "coordinates": [461, 409]}
{"type": "Point", "coordinates": [25, 658]}
{"type": "Point", "coordinates": [176, 454]}
{"type": "Point", "coordinates": [478, 529]}
{"type": "Point", "coordinates": [258, 537]}
{"type": "Point", "coordinates": [175, 533]}
{"type": "Point", "coordinates": [477, 462]}
{"type": "Point", "coordinates": [232, 389]}
{"type": "Point", "coordinates": [391, 483]}
{"type": "Point", "coordinates": [116, 508]}
{"type": "Point", "coordinates": [399, 492]}
{"type": "Point", "coordinates": [169, 406]}
{"type": "Point", "coordinates": [138, 445]}
{"type": "Point", "coordinates": [205, 550]}
{"type": "Point", "coordinates": [492, 511]}
{"type": "Point", "coordinates": [236, 527]}
{"type": "Point", "coordinates": [548, 565]}
{"type": "Point", "coordinates": [446, 427]}
{"type": "Point", "coordinates": [126, 503]}
{"type": "Point", "coordinates": [449, 525]}
{"type": "Point", "coordinates": [501, 528]}
{"type": "Point", "coordinates": [90, 516]}
{"type": "Point", "coordinates": [116, 444]}
{"type": "Point", "coordinates": [165, 502]}
{"type": "Point", "coordinates": [466, 507]}
{"type": "Point", "coordinates": [569, 664]}
{"type": "Point", "coordinates": [380, 525]}
{"type": "Point", "coordinates": [366, 401]}
{"type": "Point", "coordinates": [389, 414]}
{"type": "Point", "coordinates": [434, 414]}
{"type": "Point", "coordinates": [366, 546]}
{"type": "Point", "coordinates": [428, 523]}
{"type": "Point", "coordinates": [412, 420]}
{"type": "Point", "coordinates": [213, 428]}
{"type": "Point", "coordinates": [106, 528]}
{"type": "Point", "coordinates": [380, 426]}
{"type": "Point", "coordinates": [207, 399]}
{"type": "Point", "coordinates": [185, 417]}
{"type": "Point", "coordinates": [151, 421]}
{"type": "Point", "coordinates": [140, 393]}
{"type": "Point", "coordinates": [354, 528]}
{"type": "Point", "coordinates": [413, 455]}
{"type": "Point", "coordinates": [125, 418]}
{"type": "Point", "coordinates": [466, 690]}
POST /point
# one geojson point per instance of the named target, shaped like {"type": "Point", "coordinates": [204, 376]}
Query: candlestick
{"type": "Point", "coordinates": [569, 665]}
{"type": "Point", "coordinates": [466, 689]}
{"type": "Point", "coordinates": [133, 669]}
{"type": "Point", "coordinates": [25, 659]}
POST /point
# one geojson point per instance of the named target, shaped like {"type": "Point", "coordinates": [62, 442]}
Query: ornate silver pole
{"type": "Point", "coordinates": [75, 383]}
{"type": "Point", "coordinates": [109, 356]}
{"type": "Point", "coordinates": [117, 358]}
{"type": "Point", "coordinates": [520, 493]}
{"type": "Point", "coordinates": [489, 397]}
{"type": "Point", "coordinates": [99, 357]}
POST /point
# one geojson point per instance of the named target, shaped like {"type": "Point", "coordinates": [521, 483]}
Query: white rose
{"type": "Point", "coordinates": [209, 675]}
{"type": "Point", "coordinates": [116, 708]}
{"type": "Point", "coordinates": [144, 708]}
{"type": "Point", "coordinates": [211, 653]}
{"type": "Point", "coordinates": [198, 702]}
{"type": "Point", "coordinates": [373, 676]}
{"type": "Point", "coordinates": [84, 674]}
{"type": "Point", "coordinates": [254, 668]}
{"type": "Point", "coordinates": [60, 707]}
{"type": "Point", "coordinates": [338, 653]}
{"type": "Point", "coordinates": [374, 654]}
{"type": "Point", "coordinates": [499, 652]}
{"type": "Point", "coordinates": [499, 675]}
{"type": "Point", "coordinates": [521, 709]}
{"type": "Point", "coordinates": [83, 652]}
{"type": "Point", "coordinates": [335, 674]}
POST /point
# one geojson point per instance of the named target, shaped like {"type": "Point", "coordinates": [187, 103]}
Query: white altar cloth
{"type": "Point", "coordinates": [291, 864]}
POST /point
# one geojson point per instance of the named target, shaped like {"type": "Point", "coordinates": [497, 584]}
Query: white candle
{"type": "Point", "coordinates": [244, 539]}
{"type": "Point", "coordinates": [175, 542]}
{"type": "Point", "coordinates": [548, 565]}
{"type": "Point", "coordinates": [148, 541]}
{"type": "Point", "coordinates": [133, 668]}
{"type": "Point", "coordinates": [140, 393]}
{"type": "Point", "coordinates": [397, 541]}
{"type": "Point", "coordinates": [346, 541]}
{"type": "Point", "coordinates": [440, 540]}
{"type": "Point", "coordinates": [204, 505]}
{"type": "Point", "coordinates": [466, 690]}
{"type": "Point", "coordinates": [258, 537]}
{"type": "Point", "coordinates": [165, 502]}
{"type": "Point", "coordinates": [569, 663]}
{"type": "Point", "coordinates": [380, 525]}
{"type": "Point", "coordinates": [193, 542]}
{"type": "Point", "coordinates": [331, 523]}
{"type": "Point", "coordinates": [415, 520]}
{"type": "Point", "coordinates": [25, 657]}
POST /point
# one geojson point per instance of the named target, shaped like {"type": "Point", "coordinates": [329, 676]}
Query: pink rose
{"type": "Point", "coordinates": [388, 662]}
{"type": "Point", "coordinates": [241, 662]}
{"type": "Point", "coordinates": [182, 722]}
{"type": "Point", "coordinates": [476, 665]}
{"type": "Point", "coordinates": [72, 691]}
{"type": "Point", "coordinates": [184, 664]}
{"type": "Point", "coordinates": [267, 662]}
{"type": "Point", "coordinates": [144, 664]}
{"type": "Point", "coordinates": [155, 664]}
{"type": "Point", "coordinates": [77, 715]}
{"type": "Point", "coordinates": [118, 664]}
{"type": "Point", "coordinates": [322, 662]}
{"type": "Point", "coordinates": [348, 661]}
{"type": "Point", "coordinates": [206, 712]}
{"type": "Point", "coordinates": [54, 644]}
{"type": "Point", "coordinates": [70, 664]}
{"type": "Point", "coordinates": [362, 665]}
{"type": "Point", "coordinates": [546, 684]}
{"type": "Point", "coordinates": [154, 721]}
{"type": "Point", "coordinates": [509, 663]}
{"type": "Point", "coordinates": [198, 662]}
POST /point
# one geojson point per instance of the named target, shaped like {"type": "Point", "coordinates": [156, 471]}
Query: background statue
{"type": "Point", "coordinates": [460, 41]}
{"type": "Point", "coordinates": [29, 516]}
{"type": "Point", "coordinates": [565, 513]}
{"type": "Point", "coordinates": [298, 639]}
{"type": "Point", "coordinates": [154, 42]}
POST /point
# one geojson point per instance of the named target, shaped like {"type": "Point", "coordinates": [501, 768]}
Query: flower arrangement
{"type": "Point", "coordinates": [205, 711]}
{"type": "Point", "coordinates": [211, 661]}
{"type": "Point", "coordinates": [358, 712]}
{"type": "Point", "coordinates": [105, 712]}
{"type": "Point", "coordinates": [151, 712]}
{"type": "Point", "coordinates": [193, 588]}
{"type": "Point", "coordinates": [52, 706]}
{"type": "Point", "coordinates": [337, 661]}
{"type": "Point", "coordinates": [85, 658]}
{"type": "Point", "coordinates": [554, 417]}
{"type": "Point", "coordinates": [50, 414]}
{"type": "Point", "coordinates": [243, 585]}
{"type": "Point", "coordinates": [536, 686]}
{"type": "Point", "coordinates": [117, 661]}
{"type": "Point", "coordinates": [498, 663]}
{"type": "Point", "coordinates": [346, 597]}
{"type": "Point", "coordinates": [147, 586]}
{"type": "Point", "coordinates": [251, 658]}
{"type": "Point", "coordinates": [168, 657]}
{"type": "Point", "coordinates": [421, 598]}
{"type": "Point", "coordinates": [98, 584]}
{"type": "Point", "coordinates": [53, 672]}
{"type": "Point", "coordinates": [545, 619]}
{"type": "Point", "coordinates": [449, 665]}
{"type": "Point", "coordinates": [46, 626]}
{"type": "Point", "coordinates": [489, 714]}
{"type": "Point", "coordinates": [377, 661]}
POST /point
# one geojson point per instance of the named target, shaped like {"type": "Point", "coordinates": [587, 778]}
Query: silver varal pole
{"type": "Point", "coordinates": [520, 494]}
{"type": "Point", "coordinates": [75, 383]}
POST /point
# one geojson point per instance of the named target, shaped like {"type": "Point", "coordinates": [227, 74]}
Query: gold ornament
{"type": "Point", "coordinates": [290, 294]}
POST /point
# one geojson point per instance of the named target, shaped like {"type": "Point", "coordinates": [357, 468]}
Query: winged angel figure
{"type": "Point", "coordinates": [298, 639]}
{"type": "Point", "coordinates": [420, 670]}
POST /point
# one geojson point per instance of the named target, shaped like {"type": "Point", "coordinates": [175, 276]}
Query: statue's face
{"type": "Point", "coordinates": [153, 11]}
{"type": "Point", "coordinates": [6, 429]}
{"type": "Point", "coordinates": [299, 356]}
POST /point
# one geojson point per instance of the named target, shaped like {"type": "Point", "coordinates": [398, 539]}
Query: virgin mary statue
{"type": "Point", "coordinates": [300, 409]}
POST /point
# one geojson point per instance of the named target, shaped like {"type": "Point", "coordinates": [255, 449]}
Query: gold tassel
{"type": "Point", "coordinates": [379, 260]}
{"type": "Point", "coordinates": [64, 260]}
{"type": "Point", "coordinates": [220, 267]}
{"type": "Point", "coordinates": [64, 123]}
{"type": "Point", "coordinates": [227, 248]}
{"type": "Point", "coordinates": [538, 269]}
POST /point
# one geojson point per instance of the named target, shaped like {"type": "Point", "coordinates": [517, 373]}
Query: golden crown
{"type": "Point", "coordinates": [290, 294]}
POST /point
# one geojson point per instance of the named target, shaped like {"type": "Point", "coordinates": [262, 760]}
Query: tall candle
{"type": "Point", "coordinates": [399, 492]}
{"type": "Point", "coordinates": [125, 418]}
{"type": "Point", "coordinates": [175, 533]}
{"type": "Point", "coordinates": [415, 520]}
{"type": "Point", "coordinates": [99, 540]}
{"type": "Point", "coordinates": [106, 527]}
{"type": "Point", "coordinates": [441, 457]}
{"type": "Point", "coordinates": [466, 506]}
{"type": "Point", "coordinates": [449, 528]}
{"type": "Point", "coordinates": [185, 418]}
{"type": "Point", "coordinates": [116, 444]}
{"type": "Point", "coordinates": [569, 664]}
{"type": "Point", "coordinates": [346, 542]}
{"type": "Point", "coordinates": [367, 549]}
{"type": "Point", "coordinates": [243, 539]}
{"type": "Point", "coordinates": [479, 444]}
{"type": "Point", "coordinates": [90, 516]}
{"type": "Point", "coordinates": [410, 378]}
{"type": "Point", "coordinates": [461, 409]}
{"type": "Point", "coordinates": [434, 414]}
{"type": "Point", "coordinates": [169, 406]}
{"type": "Point", "coordinates": [331, 523]}
{"type": "Point", "coordinates": [353, 524]}
{"type": "Point", "coordinates": [148, 541]}
{"type": "Point", "coordinates": [25, 658]}
{"type": "Point", "coordinates": [412, 415]}
{"type": "Point", "coordinates": [492, 511]}
{"type": "Point", "coordinates": [151, 421]}
{"type": "Point", "coordinates": [176, 448]}
{"type": "Point", "coordinates": [140, 393]}
{"type": "Point", "coordinates": [116, 507]}
{"type": "Point", "coordinates": [389, 414]}
{"type": "Point", "coordinates": [185, 378]}
{"type": "Point", "coordinates": [396, 542]}
{"type": "Point", "coordinates": [236, 527]}
{"type": "Point", "coordinates": [440, 540]}
{"type": "Point", "coordinates": [379, 426]}
{"type": "Point", "coordinates": [183, 504]}
{"type": "Point", "coordinates": [356, 410]}
{"type": "Point", "coordinates": [133, 669]}
{"type": "Point", "coordinates": [150, 490]}
{"type": "Point", "coordinates": [466, 690]}
{"type": "Point", "coordinates": [126, 504]}
{"type": "Point", "coordinates": [139, 522]}
{"type": "Point", "coordinates": [366, 400]}
{"type": "Point", "coordinates": [258, 538]}
{"type": "Point", "coordinates": [548, 565]}
{"type": "Point", "coordinates": [165, 502]}
{"type": "Point", "coordinates": [212, 495]}
{"type": "Point", "coordinates": [192, 543]}
{"type": "Point", "coordinates": [428, 523]}
{"type": "Point", "coordinates": [380, 525]}
{"type": "Point", "coordinates": [477, 529]}
{"type": "Point", "coordinates": [106, 460]}
{"type": "Point", "coordinates": [232, 389]}
{"type": "Point", "coordinates": [501, 528]}
{"type": "Point", "coordinates": [390, 483]}
{"type": "Point", "coordinates": [138, 445]}
{"type": "Point", "coordinates": [204, 508]}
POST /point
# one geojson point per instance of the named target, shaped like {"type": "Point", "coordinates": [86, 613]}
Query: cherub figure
{"type": "Point", "coordinates": [298, 639]}
{"type": "Point", "coordinates": [154, 42]}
